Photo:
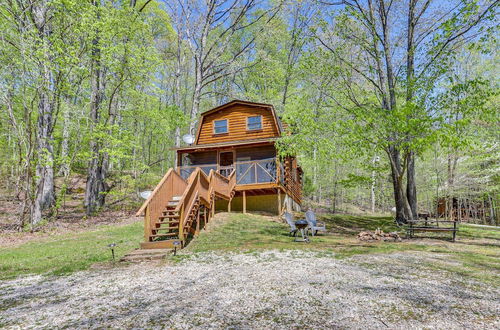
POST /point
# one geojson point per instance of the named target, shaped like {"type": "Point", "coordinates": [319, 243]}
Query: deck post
{"type": "Point", "coordinates": [147, 225]}
{"type": "Point", "coordinates": [213, 208]}
{"type": "Point", "coordinates": [229, 205]}
{"type": "Point", "coordinates": [198, 223]}
{"type": "Point", "coordinates": [279, 201]}
{"type": "Point", "coordinates": [244, 201]}
{"type": "Point", "coordinates": [181, 224]}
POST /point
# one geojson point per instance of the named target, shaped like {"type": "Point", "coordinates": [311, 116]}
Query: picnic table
{"type": "Point", "coordinates": [431, 225]}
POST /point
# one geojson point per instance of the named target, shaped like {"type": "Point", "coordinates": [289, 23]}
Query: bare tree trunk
{"type": "Point", "coordinates": [411, 187]}
{"type": "Point", "coordinates": [372, 190]}
{"type": "Point", "coordinates": [96, 174]}
{"type": "Point", "coordinates": [64, 169]}
{"type": "Point", "coordinates": [196, 95]}
{"type": "Point", "coordinates": [44, 185]}
{"type": "Point", "coordinates": [177, 91]}
{"type": "Point", "coordinates": [403, 211]}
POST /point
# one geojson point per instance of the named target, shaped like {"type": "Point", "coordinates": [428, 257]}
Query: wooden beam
{"type": "Point", "coordinates": [254, 186]}
{"type": "Point", "coordinates": [279, 201]}
{"type": "Point", "coordinates": [229, 205]}
{"type": "Point", "coordinates": [147, 225]}
{"type": "Point", "coordinates": [244, 201]}
{"type": "Point", "coordinates": [197, 223]}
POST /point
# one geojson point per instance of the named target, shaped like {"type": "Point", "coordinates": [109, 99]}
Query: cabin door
{"type": "Point", "coordinates": [226, 163]}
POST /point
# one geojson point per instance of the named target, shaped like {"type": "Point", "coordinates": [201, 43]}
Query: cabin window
{"type": "Point", "coordinates": [220, 126]}
{"type": "Point", "coordinates": [254, 123]}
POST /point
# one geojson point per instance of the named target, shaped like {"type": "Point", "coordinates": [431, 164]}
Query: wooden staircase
{"type": "Point", "coordinates": [176, 208]}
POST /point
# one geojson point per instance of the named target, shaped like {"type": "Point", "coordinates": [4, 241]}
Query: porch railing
{"type": "Point", "coordinates": [185, 171]}
{"type": "Point", "coordinates": [257, 171]}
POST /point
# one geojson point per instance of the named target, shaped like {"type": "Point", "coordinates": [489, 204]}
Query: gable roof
{"type": "Point", "coordinates": [270, 107]}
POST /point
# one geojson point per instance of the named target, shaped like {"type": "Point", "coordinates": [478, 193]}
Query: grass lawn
{"type": "Point", "coordinates": [475, 254]}
{"type": "Point", "coordinates": [64, 254]}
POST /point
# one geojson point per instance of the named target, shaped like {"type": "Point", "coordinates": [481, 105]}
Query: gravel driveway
{"type": "Point", "coordinates": [256, 290]}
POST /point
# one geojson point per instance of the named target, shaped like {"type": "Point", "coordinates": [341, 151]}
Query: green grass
{"type": "Point", "coordinates": [64, 254]}
{"type": "Point", "coordinates": [476, 251]}
{"type": "Point", "coordinates": [246, 232]}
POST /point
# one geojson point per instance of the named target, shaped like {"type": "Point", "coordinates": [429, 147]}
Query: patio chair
{"type": "Point", "coordinates": [314, 225]}
{"type": "Point", "coordinates": [291, 223]}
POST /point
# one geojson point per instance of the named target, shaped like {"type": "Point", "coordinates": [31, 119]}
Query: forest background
{"type": "Point", "coordinates": [390, 103]}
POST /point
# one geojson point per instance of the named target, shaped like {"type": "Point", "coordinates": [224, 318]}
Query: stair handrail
{"type": "Point", "coordinates": [192, 183]}
{"type": "Point", "coordinates": [232, 181]}
{"type": "Point", "coordinates": [184, 214]}
{"type": "Point", "coordinates": [171, 172]}
{"type": "Point", "coordinates": [189, 197]}
{"type": "Point", "coordinates": [170, 185]}
{"type": "Point", "coordinates": [217, 177]}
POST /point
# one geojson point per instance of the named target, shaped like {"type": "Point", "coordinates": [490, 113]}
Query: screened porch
{"type": "Point", "coordinates": [252, 165]}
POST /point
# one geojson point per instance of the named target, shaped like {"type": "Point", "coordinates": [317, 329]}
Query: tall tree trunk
{"type": "Point", "coordinates": [411, 187]}
{"type": "Point", "coordinates": [403, 211]}
{"type": "Point", "coordinates": [196, 95]}
{"type": "Point", "coordinates": [372, 190]}
{"type": "Point", "coordinates": [64, 169]}
{"type": "Point", "coordinates": [177, 91]}
{"type": "Point", "coordinates": [44, 184]}
{"type": "Point", "coordinates": [96, 187]}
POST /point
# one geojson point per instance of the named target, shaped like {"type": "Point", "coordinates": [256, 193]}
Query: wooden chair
{"type": "Point", "coordinates": [314, 225]}
{"type": "Point", "coordinates": [291, 223]}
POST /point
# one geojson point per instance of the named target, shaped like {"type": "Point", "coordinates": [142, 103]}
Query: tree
{"type": "Point", "coordinates": [384, 67]}
{"type": "Point", "coordinates": [209, 29]}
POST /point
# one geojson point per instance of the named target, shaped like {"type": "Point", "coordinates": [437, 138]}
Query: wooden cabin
{"type": "Point", "coordinates": [240, 137]}
{"type": "Point", "coordinates": [232, 165]}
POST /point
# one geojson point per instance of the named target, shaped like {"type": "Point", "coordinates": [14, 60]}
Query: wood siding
{"type": "Point", "coordinates": [237, 124]}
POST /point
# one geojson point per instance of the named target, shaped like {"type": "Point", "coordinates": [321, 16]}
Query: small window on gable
{"type": "Point", "coordinates": [254, 123]}
{"type": "Point", "coordinates": [220, 126]}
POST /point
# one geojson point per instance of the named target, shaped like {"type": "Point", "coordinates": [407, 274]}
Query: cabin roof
{"type": "Point", "coordinates": [270, 107]}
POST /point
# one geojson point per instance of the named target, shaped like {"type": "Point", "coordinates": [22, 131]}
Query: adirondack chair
{"type": "Point", "coordinates": [291, 223]}
{"type": "Point", "coordinates": [314, 226]}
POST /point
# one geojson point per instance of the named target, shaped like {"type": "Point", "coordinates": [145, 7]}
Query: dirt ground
{"type": "Point", "coordinates": [70, 218]}
{"type": "Point", "coordinates": [270, 289]}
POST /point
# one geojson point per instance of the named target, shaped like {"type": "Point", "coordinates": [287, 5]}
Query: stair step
{"type": "Point", "coordinates": [164, 235]}
{"type": "Point", "coordinates": [140, 255]}
{"type": "Point", "coordinates": [168, 244]}
{"type": "Point", "coordinates": [173, 216]}
{"type": "Point", "coordinates": [170, 223]}
{"type": "Point", "coordinates": [167, 220]}
{"type": "Point", "coordinates": [165, 228]}
{"type": "Point", "coordinates": [139, 252]}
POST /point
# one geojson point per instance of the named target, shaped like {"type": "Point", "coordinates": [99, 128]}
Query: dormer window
{"type": "Point", "coordinates": [220, 126]}
{"type": "Point", "coordinates": [254, 123]}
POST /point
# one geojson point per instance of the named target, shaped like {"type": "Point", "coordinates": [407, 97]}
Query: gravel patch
{"type": "Point", "coordinates": [271, 289]}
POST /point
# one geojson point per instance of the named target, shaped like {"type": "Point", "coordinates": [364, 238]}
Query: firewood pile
{"type": "Point", "coordinates": [379, 235]}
